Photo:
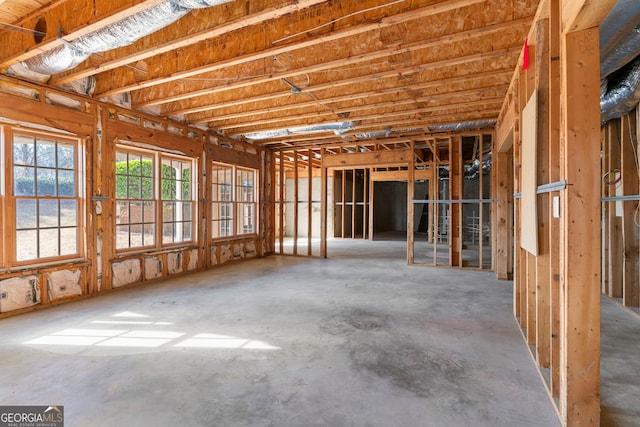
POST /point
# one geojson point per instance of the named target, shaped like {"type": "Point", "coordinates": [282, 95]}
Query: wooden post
{"type": "Point", "coordinates": [579, 230]}
{"type": "Point", "coordinates": [343, 174]}
{"type": "Point", "coordinates": [630, 235]}
{"type": "Point", "coordinates": [354, 202]}
{"type": "Point", "coordinates": [324, 204]}
{"type": "Point", "coordinates": [455, 190]}
{"type": "Point", "coordinates": [282, 202]}
{"type": "Point", "coordinates": [503, 175]}
{"type": "Point", "coordinates": [296, 201]}
{"type": "Point", "coordinates": [371, 194]}
{"type": "Point", "coordinates": [615, 221]}
{"type": "Point", "coordinates": [554, 176]}
{"type": "Point", "coordinates": [411, 184]}
{"type": "Point", "coordinates": [543, 262]}
{"type": "Point", "coordinates": [310, 200]}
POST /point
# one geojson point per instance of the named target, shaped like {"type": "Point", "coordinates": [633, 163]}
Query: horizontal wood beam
{"type": "Point", "coordinates": [377, 158]}
{"type": "Point", "coordinates": [66, 20]}
{"type": "Point", "coordinates": [107, 86]}
{"type": "Point", "coordinates": [580, 15]}
{"type": "Point", "coordinates": [161, 95]}
{"type": "Point", "coordinates": [403, 175]}
{"type": "Point", "coordinates": [224, 21]}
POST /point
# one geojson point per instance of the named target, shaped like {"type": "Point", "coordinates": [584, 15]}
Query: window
{"type": "Point", "coordinates": [234, 201]}
{"type": "Point", "coordinates": [246, 200]}
{"type": "Point", "coordinates": [146, 198]}
{"type": "Point", "coordinates": [177, 207]}
{"type": "Point", "coordinates": [222, 206]}
{"type": "Point", "coordinates": [46, 197]}
{"type": "Point", "coordinates": [135, 201]}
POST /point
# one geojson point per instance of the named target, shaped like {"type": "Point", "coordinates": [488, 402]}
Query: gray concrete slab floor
{"type": "Point", "coordinates": [363, 340]}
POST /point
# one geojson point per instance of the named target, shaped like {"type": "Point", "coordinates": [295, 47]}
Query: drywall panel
{"type": "Point", "coordinates": [63, 283]}
{"type": "Point", "coordinates": [126, 272]}
{"type": "Point", "coordinates": [152, 267]}
{"type": "Point", "coordinates": [528, 201]}
{"type": "Point", "coordinates": [19, 292]}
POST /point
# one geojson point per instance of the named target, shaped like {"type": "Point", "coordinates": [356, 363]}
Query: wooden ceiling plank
{"type": "Point", "coordinates": [79, 17]}
{"type": "Point", "coordinates": [142, 49]}
{"type": "Point", "coordinates": [197, 115]}
{"type": "Point", "coordinates": [370, 56]}
{"type": "Point", "coordinates": [132, 85]}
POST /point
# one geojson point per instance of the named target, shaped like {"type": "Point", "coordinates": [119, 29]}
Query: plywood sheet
{"type": "Point", "coordinates": [528, 205]}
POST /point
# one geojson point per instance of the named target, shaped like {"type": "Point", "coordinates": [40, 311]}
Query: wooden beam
{"type": "Point", "coordinates": [504, 127]}
{"type": "Point", "coordinates": [310, 203]}
{"type": "Point", "coordinates": [232, 19]}
{"type": "Point", "coordinates": [105, 87]}
{"type": "Point", "coordinates": [580, 15]}
{"type": "Point", "coordinates": [579, 231]}
{"type": "Point", "coordinates": [324, 204]}
{"type": "Point", "coordinates": [161, 95]}
{"type": "Point", "coordinates": [411, 185]}
{"type": "Point", "coordinates": [78, 18]}
{"type": "Point", "coordinates": [616, 249]}
{"type": "Point", "coordinates": [455, 210]}
{"type": "Point", "coordinates": [377, 158]}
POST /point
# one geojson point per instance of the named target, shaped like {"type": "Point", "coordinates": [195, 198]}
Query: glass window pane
{"type": "Point", "coordinates": [186, 231]}
{"type": "Point", "coordinates": [48, 213]}
{"type": "Point", "coordinates": [134, 188]}
{"type": "Point", "coordinates": [66, 183]}
{"type": "Point", "coordinates": [149, 212]}
{"type": "Point", "coordinates": [46, 182]}
{"type": "Point", "coordinates": [149, 235]}
{"type": "Point", "coordinates": [23, 181]}
{"type": "Point", "coordinates": [122, 212]}
{"type": "Point", "coordinates": [26, 244]}
{"type": "Point", "coordinates": [135, 212]}
{"type": "Point", "coordinates": [122, 236]}
{"type": "Point", "coordinates": [147, 188]}
{"type": "Point", "coordinates": [68, 213]}
{"type": "Point", "coordinates": [66, 156]}
{"type": "Point", "coordinates": [48, 239]}
{"type": "Point", "coordinates": [186, 211]}
{"type": "Point", "coordinates": [168, 211]}
{"type": "Point", "coordinates": [136, 235]}
{"type": "Point", "coordinates": [147, 165]}
{"type": "Point", "coordinates": [26, 214]}
{"type": "Point", "coordinates": [46, 153]}
{"type": "Point", "coordinates": [23, 150]}
{"type": "Point", "coordinates": [168, 232]}
{"type": "Point", "coordinates": [68, 241]}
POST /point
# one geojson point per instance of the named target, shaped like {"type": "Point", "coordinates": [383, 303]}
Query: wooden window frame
{"type": "Point", "coordinates": [10, 200]}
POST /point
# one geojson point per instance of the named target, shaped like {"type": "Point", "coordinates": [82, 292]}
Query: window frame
{"type": "Point", "coordinates": [236, 202]}
{"type": "Point", "coordinates": [10, 198]}
{"type": "Point", "coordinates": [157, 198]}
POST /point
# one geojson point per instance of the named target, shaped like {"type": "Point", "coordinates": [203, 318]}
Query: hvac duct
{"type": "Point", "coordinates": [619, 71]}
{"type": "Point", "coordinates": [623, 96]}
{"type": "Point", "coordinates": [118, 34]}
{"type": "Point", "coordinates": [463, 126]}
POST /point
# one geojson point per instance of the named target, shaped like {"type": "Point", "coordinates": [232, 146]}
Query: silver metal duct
{"type": "Point", "coordinates": [619, 36]}
{"type": "Point", "coordinates": [623, 96]}
{"type": "Point", "coordinates": [118, 34]}
{"type": "Point", "coordinates": [337, 128]}
{"type": "Point", "coordinates": [619, 45]}
{"type": "Point", "coordinates": [463, 126]}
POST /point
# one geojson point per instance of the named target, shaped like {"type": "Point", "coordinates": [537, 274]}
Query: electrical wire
{"type": "Point", "coordinates": [16, 29]}
{"type": "Point", "coordinates": [336, 20]}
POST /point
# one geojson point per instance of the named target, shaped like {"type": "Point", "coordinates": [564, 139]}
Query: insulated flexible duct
{"type": "Point", "coordinates": [118, 34]}
{"type": "Point", "coordinates": [463, 126]}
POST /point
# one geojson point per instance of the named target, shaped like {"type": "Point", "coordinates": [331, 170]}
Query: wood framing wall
{"type": "Point", "coordinates": [557, 280]}
{"type": "Point", "coordinates": [101, 128]}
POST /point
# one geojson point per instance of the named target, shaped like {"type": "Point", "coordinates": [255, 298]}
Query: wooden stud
{"type": "Point", "coordinates": [411, 184]}
{"type": "Point", "coordinates": [455, 210]}
{"type": "Point", "coordinates": [282, 202]}
{"type": "Point", "coordinates": [630, 220]}
{"type": "Point", "coordinates": [615, 221]}
{"type": "Point", "coordinates": [310, 204]}
{"type": "Point", "coordinates": [296, 201]}
{"type": "Point", "coordinates": [324, 202]}
{"type": "Point", "coordinates": [579, 230]}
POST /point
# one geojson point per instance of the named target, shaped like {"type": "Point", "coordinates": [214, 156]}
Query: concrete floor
{"type": "Point", "coordinates": [283, 341]}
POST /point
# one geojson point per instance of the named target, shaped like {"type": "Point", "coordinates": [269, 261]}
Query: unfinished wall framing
{"type": "Point", "coordinates": [557, 287]}
{"type": "Point", "coordinates": [101, 263]}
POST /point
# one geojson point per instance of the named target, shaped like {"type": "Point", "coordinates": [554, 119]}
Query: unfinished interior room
{"type": "Point", "coordinates": [320, 212]}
